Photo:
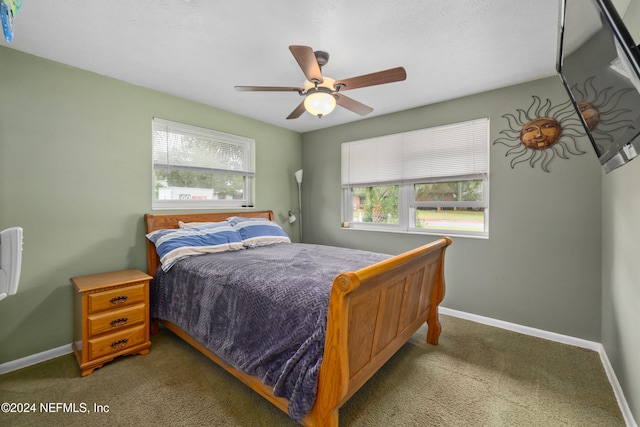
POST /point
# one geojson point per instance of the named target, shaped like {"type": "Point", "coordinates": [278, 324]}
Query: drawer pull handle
{"type": "Point", "coordinates": [119, 322]}
{"type": "Point", "coordinates": [119, 344]}
{"type": "Point", "coordinates": [119, 300]}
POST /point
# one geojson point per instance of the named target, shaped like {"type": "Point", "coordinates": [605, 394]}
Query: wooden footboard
{"type": "Point", "coordinates": [372, 313]}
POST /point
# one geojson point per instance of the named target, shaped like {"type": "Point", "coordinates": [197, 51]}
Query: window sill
{"type": "Point", "coordinates": [448, 233]}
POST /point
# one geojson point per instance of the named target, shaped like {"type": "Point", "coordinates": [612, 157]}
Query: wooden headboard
{"type": "Point", "coordinates": [165, 221]}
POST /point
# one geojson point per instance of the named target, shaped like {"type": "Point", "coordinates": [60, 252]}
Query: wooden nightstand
{"type": "Point", "coordinates": [111, 317]}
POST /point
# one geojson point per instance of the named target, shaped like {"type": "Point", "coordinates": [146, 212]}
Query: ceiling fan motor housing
{"type": "Point", "coordinates": [322, 57]}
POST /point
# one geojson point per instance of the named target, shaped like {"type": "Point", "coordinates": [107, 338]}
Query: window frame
{"type": "Point", "coordinates": [407, 205]}
{"type": "Point", "coordinates": [248, 150]}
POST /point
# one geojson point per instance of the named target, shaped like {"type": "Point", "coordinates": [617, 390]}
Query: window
{"type": "Point", "coordinates": [197, 168]}
{"type": "Point", "coordinates": [433, 181]}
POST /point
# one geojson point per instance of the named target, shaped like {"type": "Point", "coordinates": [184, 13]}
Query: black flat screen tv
{"type": "Point", "coordinates": [599, 64]}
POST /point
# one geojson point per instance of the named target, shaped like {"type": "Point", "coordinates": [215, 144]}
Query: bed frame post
{"type": "Point", "coordinates": [333, 381]}
{"type": "Point", "coordinates": [433, 323]}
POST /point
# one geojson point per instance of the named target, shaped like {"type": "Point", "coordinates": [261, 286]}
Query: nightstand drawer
{"type": "Point", "coordinates": [117, 298]}
{"type": "Point", "coordinates": [113, 320]}
{"type": "Point", "coordinates": [116, 343]}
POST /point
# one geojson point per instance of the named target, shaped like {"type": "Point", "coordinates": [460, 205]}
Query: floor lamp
{"type": "Point", "coordinates": [298, 175]}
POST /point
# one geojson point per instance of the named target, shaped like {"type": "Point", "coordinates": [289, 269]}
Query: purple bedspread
{"type": "Point", "coordinates": [262, 310]}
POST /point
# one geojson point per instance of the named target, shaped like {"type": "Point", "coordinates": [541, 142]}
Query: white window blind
{"type": "Point", "coordinates": [186, 147]}
{"type": "Point", "coordinates": [451, 151]}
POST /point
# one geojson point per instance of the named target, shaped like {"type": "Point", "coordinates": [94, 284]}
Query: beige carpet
{"type": "Point", "coordinates": [477, 376]}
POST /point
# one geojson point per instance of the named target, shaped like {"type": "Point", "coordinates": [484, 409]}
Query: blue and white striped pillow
{"type": "Point", "coordinates": [175, 244]}
{"type": "Point", "coordinates": [258, 231]}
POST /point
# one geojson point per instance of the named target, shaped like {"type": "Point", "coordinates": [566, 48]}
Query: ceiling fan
{"type": "Point", "coordinates": [322, 94]}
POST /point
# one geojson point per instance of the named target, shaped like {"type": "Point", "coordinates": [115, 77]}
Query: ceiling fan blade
{"type": "Point", "coordinates": [297, 112]}
{"type": "Point", "coordinates": [307, 61]}
{"type": "Point", "coordinates": [268, 89]}
{"type": "Point", "coordinates": [352, 104]}
{"type": "Point", "coordinates": [381, 77]}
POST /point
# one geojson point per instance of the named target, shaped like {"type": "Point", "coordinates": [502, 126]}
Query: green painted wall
{"type": "Point", "coordinates": [620, 284]}
{"type": "Point", "coordinates": [75, 173]}
{"type": "Point", "coordinates": [541, 266]}
{"type": "Point", "coordinates": [631, 19]}
{"type": "Point", "coordinates": [621, 269]}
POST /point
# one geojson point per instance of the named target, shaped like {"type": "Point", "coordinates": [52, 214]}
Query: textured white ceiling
{"type": "Point", "coordinates": [200, 49]}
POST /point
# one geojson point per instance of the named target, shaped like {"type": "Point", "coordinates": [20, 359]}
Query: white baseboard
{"type": "Point", "coordinates": [552, 336]}
{"type": "Point", "coordinates": [617, 390]}
{"type": "Point", "coordinates": [526, 330]}
{"type": "Point", "coordinates": [14, 365]}
{"type": "Point", "coordinates": [564, 339]}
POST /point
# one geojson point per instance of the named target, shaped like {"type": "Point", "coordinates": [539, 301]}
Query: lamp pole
{"type": "Point", "coordinates": [298, 175]}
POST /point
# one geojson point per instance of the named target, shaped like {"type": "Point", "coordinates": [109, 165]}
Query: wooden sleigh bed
{"type": "Point", "coordinates": [372, 313]}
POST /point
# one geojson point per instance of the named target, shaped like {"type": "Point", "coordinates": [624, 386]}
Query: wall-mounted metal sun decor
{"type": "Point", "coordinates": [541, 133]}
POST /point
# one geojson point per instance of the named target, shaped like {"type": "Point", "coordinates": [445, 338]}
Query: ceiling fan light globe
{"type": "Point", "coordinates": [320, 103]}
